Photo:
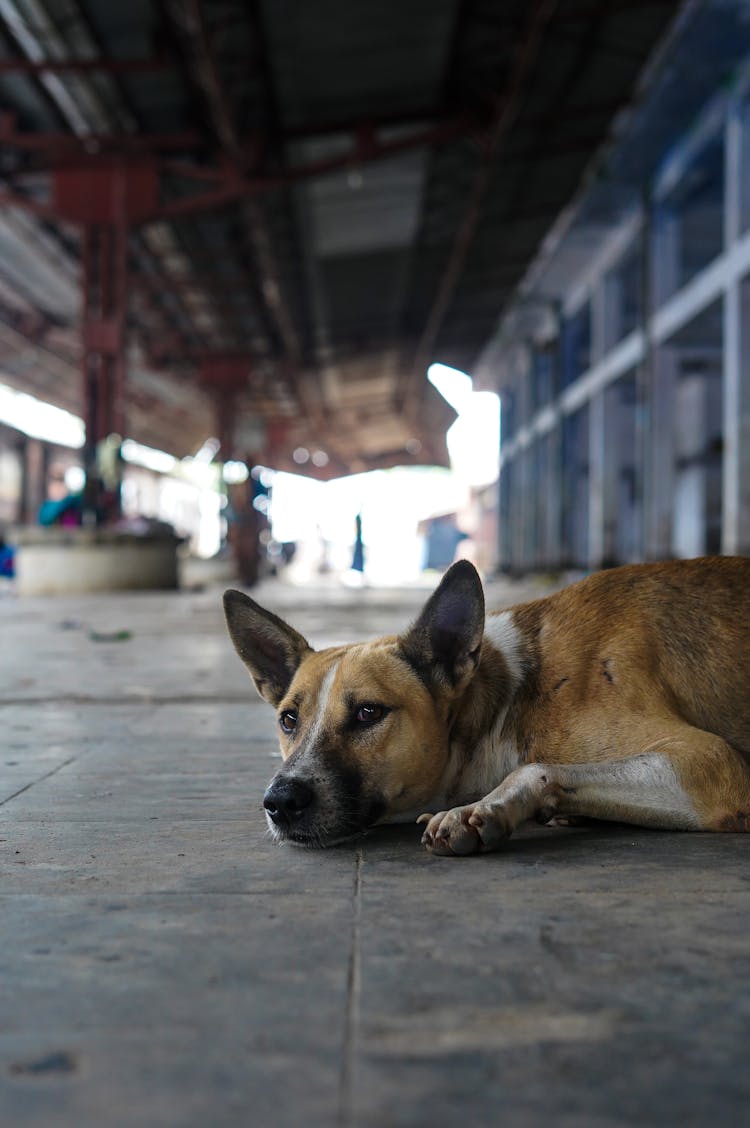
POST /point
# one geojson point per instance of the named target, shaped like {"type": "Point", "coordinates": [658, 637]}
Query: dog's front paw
{"type": "Point", "coordinates": [464, 830]}
{"type": "Point", "coordinates": [449, 832]}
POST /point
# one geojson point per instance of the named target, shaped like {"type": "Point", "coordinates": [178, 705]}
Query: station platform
{"type": "Point", "coordinates": [163, 963]}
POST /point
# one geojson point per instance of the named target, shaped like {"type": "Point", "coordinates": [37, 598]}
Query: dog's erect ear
{"type": "Point", "coordinates": [443, 644]}
{"type": "Point", "coordinates": [269, 647]}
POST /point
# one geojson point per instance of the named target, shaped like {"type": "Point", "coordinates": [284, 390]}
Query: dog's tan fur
{"type": "Point", "coordinates": [623, 697]}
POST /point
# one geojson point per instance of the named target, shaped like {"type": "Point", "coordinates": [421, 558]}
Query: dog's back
{"type": "Point", "coordinates": [676, 632]}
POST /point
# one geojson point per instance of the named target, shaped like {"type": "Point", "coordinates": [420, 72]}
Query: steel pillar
{"type": "Point", "coordinates": [224, 377]}
{"type": "Point", "coordinates": [104, 257]}
{"type": "Point", "coordinates": [504, 516]}
{"type": "Point", "coordinates": [735, 526]}
{"type": "Point", "coordinates": [105, 197]}
{"type": "Point", "coordinates": [33, 472]}
{"type": "Point", "coordinates": [552, 486]}
{"type": "Point", "coordinates": [690, 500]}
{"type": "Point", "coordinates": [660, 453]}
{"type": "Point", "coordinates": [736, 485]}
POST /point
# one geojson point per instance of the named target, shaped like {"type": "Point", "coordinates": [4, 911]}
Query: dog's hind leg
{"type": "Point", "coordinates": [686, 779]}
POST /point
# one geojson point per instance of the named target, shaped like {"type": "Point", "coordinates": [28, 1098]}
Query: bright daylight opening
{"type": "Point", "coordinates": [401, 509]}
{"type": "Point", "coordinates": [185, 494]}
{"type": "Point", "coordinates": [474, 439]}
{"type": "Point", "coordinates": [40, 420]}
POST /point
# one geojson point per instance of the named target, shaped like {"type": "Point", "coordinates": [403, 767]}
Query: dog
{"type": "Point", "coordinates": [623, 697]}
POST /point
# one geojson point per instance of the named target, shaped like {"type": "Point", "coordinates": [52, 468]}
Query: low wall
{"type": "Point", "coordinates": [196, 573]}
{"type": "Point", "coordinates": [67, 561]}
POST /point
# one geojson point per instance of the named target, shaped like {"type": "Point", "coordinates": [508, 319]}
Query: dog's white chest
{"type": "Point", "coordinates": [495, 757]}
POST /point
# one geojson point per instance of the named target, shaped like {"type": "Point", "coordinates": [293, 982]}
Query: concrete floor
{"type": "Point", "coordinates": [162, 963]}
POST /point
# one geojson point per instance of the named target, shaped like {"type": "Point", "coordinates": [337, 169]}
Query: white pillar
{"type": "Point", "coordinates": [553, 512]}
{"type": "Point", "coordinates": [690, 492]}
{"type": "Point", "coordinates": [602, 437]}
{"type": "Point", "coordinates": [735, 524]}
{"type": "Point", "coordinates": [659, 481]}
{"type": "Point", "coordinates": [598, 455]}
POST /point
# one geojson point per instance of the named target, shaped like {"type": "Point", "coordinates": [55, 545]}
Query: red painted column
{"type": "Point", "coordinates": [105, 196]}
{"type": "Point", "coordinates": [225, 377]}
{"type": "Point", "coordinates": [103, 316]}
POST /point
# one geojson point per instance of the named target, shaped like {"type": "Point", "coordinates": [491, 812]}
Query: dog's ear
{"type": "Point", "coordinates": [269, 647]}
{"type": "Point", "coordinates": [443, 644]}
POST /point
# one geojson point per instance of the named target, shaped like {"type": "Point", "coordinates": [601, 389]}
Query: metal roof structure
{"type": "Point", "coordinates": [699, 59]}
{"type": "Point", "coordinates": [332, 196]}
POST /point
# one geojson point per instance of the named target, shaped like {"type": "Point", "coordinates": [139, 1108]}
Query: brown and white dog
{"type": "Point", "coordinates": [625, 697]}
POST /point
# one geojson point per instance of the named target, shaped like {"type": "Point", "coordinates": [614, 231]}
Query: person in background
{"type": "Point", "coordinates": [358, 558]}
{"type": "Point", "coordinates": [7, 555]}
{"type": "Point", "coordinates": [443, 538]}
{"type": "Point", "coordinates": [61, 507]}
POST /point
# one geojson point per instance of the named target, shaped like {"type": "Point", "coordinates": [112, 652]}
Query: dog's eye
{"type": "Point", "coordinates": [288, 720]}
{"type": "Point", "coordinates": [369, 714]}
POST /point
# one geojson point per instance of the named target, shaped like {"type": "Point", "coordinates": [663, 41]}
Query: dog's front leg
{"type": "Point", "coordinates": [693, 782]}
{"type": "Point", "coordinates": [626, 790]}
{"type": "Point", "coordinates": [485, 824]}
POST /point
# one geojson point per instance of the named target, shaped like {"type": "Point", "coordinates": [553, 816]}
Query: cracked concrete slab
{"type": "Point", "coordinates": [164, 963]}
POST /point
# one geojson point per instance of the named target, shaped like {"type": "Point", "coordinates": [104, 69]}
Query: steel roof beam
{"type": "Point", "coordinates": [509, 106]}
{"type": "Point", "coordinates": [233, 185]}
{"type": "Point", "coordinates": [191, 20]}
{"type": "Point", "coordinates": [69, 144]}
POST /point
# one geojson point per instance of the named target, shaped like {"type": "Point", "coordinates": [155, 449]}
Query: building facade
{"type": "Point", "coordinates": [624, 364]}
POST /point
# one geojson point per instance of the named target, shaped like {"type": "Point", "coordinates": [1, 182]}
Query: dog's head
{"type": "Point", "coordinates": [364, 729]}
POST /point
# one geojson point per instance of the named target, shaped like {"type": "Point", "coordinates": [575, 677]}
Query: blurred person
{"type": "Point", "coordinates": [358, 557]}
{"type": "Point", "coordinates": [62, 506]}
{"type": "Point", "coordinates": [7, 559]}
{"type": "Point", "coordinates": [442, 541]}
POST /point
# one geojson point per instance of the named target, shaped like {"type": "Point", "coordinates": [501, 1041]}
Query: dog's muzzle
{"type": "Point", "coordinates": [320, 811]}
{"type": "Point", "coordinates": [287, 801]}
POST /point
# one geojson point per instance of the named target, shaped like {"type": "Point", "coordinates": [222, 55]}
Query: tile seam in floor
{"type": "Point", "coordinates": [346, 1079]}
{"type": "Point", "coordinates": [40, 779]}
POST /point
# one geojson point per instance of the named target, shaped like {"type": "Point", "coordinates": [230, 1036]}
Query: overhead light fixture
{"type": "Point", "coordinates": [235, 472]}
{"type": "Point", "coordinates": [263, 475]}
{"type": "Point", "coordinates": [75, 478]}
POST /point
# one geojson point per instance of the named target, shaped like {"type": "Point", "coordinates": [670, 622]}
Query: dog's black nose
{"type": "Point", "coordinates": [286, 799]}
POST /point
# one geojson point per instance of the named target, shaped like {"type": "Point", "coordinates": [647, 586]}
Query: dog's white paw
{"type": "Point", "coordinates": [464, 830]}
{"type": "Point", "coordinates": [449, 832]}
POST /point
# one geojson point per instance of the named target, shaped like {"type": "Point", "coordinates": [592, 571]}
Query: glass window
{"type": "Point", "coordinates": [689, 222]}
{"type": "Point", "coordinates": [744, 169]}
{"type": "Point", "coordinates": [576, 345]}
{"type": "Point", "coordinates": [624, 290]}
{"type": "Point", "coordinates": [543, 374]}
